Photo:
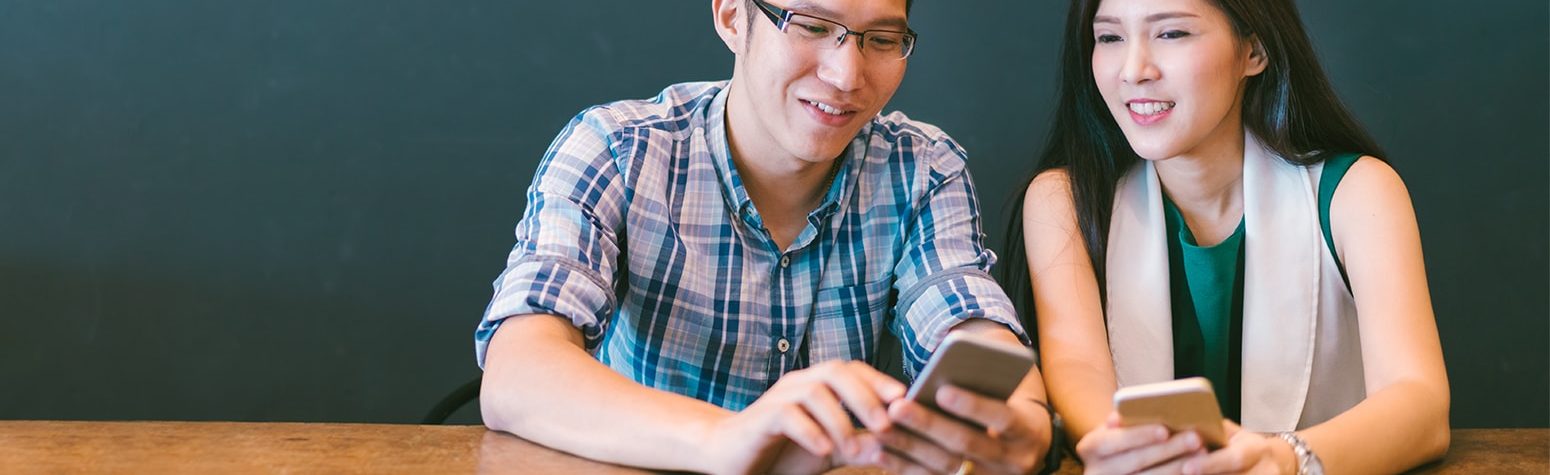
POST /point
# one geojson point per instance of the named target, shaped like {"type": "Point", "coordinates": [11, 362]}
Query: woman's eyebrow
{"type": "Point", "coordinates": [1153, 18]}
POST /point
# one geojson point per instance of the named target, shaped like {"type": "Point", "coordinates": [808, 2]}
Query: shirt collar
{"type": "Point", "coordinates": [721, 153]}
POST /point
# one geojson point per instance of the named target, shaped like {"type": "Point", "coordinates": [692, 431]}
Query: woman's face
{"type": "Point", "coordinates": [1172, 72]}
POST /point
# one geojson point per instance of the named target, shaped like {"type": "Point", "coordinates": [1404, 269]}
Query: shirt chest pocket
{"type": "Point", "coordinates": [849, 321]}
{"type": "Point", "coordinates": [852, 301]}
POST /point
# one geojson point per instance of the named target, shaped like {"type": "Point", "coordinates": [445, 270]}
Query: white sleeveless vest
{"type": "Point", "coordinates": [1299, 319]}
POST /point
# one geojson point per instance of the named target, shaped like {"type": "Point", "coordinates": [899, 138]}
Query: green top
{"type": "Point", "coordinates": [1206, 285]}
{"type": "Point", "coordinates": [1207, 308]}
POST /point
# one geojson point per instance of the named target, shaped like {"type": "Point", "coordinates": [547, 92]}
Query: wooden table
{"type": "Point", "coordinates": [233, 447]}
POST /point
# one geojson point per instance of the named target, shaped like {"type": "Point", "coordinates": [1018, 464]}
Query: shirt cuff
{"type": "Point", "coordinates": [549, 286]}
{"type": "Point", "coordinates": [940, 302]}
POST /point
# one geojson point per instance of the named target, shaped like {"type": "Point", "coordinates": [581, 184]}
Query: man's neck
{"type": "Point", "coordinates": [783, 188]}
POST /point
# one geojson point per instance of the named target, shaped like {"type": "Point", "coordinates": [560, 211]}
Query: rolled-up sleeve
{"type": "Point", "coordinates": [567, 241]}
{"type": "Point", "coordinates": [943, 277]}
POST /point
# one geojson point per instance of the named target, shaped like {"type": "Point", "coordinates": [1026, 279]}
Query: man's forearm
{"type": "Point", "coordinates": [540, 384]}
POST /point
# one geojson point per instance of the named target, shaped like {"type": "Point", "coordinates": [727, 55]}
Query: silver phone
{"type": "Point", "coordinates": [983, 365]}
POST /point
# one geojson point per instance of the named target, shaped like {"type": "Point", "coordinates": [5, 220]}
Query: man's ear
{"type": "Point", "coordinates": [1258, 59]}
{"type": "Point", "coordinates": [730, 25]}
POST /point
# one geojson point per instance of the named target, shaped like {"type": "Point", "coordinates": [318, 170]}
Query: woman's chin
{"type": "Point", "coordinates": [1154, 152]}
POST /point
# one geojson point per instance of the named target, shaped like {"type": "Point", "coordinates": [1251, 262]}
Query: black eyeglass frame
{"type": "Point", "coordinates": [782, 18]}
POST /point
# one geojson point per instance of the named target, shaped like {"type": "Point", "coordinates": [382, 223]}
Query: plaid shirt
{"type": "Point", "coordinates": [639, 231]}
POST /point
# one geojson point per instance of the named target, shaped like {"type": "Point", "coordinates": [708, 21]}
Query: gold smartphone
{"type": "Point", "coordinates": [1179, 405]}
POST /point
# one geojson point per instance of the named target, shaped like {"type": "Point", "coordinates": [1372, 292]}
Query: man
{"type": "Point", "coordinates": [700, 281]}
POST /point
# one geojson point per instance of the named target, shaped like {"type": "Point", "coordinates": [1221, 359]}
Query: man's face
{"type": "Point", "coordinates": [802, 94]}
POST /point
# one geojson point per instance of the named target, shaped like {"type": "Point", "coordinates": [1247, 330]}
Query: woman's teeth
{"type": "Point", "coordinates": [1151, 108]}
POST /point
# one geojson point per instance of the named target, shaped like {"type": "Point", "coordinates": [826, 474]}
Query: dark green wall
{"type": "Point", "coordinates": [292, 209]}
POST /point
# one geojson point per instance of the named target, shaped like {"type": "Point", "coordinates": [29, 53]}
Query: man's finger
{"type": "Point", "coordinates": [885, 386]}
{"type": "Point", "coordinates": [938, 428]}
{"type": "Point", "coordinates": [823, 407]}
{"type": "Point", "coordinates": [900, 464]}
{"type": "Point", "coordinates": [795, 424]}
{"type": "Point", "coordinates": [990, 413]}
{"type": "Point", "coordinates": [848, 381]}
{"type": "Point", "coordinates": [920, 450]}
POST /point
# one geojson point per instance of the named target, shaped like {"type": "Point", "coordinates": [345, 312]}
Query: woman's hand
{"type": "Point", "coordinates": [1246, 452]}
{"type": "Point", "coordinates": [1140, 449]}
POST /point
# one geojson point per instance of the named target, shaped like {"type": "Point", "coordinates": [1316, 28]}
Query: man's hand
{"type": "Point", "coordinates": [801, 426]}
{"type": "Point", "coordinates": [1014, 437]}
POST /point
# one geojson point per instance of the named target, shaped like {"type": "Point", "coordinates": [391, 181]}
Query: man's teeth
{"type": "Point", "coordinates": [1150, 108]}
{"type": "Point", "coordinates": [827, 109]}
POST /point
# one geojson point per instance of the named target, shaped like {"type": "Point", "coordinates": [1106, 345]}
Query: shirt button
{"type": "Point", "coordinates": [783, 345]}
{"type": "Point", "coordinates": [785, 261]}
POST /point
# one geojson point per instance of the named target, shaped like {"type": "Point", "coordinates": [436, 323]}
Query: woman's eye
{"type": "Point", "coordinates": [1108, 38]}
{"type": "Point", "coordinates": [1173, 34]}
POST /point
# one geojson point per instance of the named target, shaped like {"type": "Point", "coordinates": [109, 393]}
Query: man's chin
{"type": "Point", "coordinates": [823, 155]}
{"type": "Point", "coordinates": [823, 147]}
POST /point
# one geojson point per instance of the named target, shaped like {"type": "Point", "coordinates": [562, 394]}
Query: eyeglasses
{"type": "Point", "coordinates": [874, 44]}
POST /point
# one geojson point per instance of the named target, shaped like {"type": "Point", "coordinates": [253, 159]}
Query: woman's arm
{"type": "Point", "coordinates": [1074, 347]}
{"type": "Point", "coordinates": [1079, 373]}
{"type": "Point", "coordinates": [1404, 420]}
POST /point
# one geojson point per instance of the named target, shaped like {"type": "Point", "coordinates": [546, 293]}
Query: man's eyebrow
{"type": "Point", "coordinates": [1153, 18]}
{"type": "Point", "coordinates": [897, 23]}
{"type": "Point", "coordinates": [810, 8]}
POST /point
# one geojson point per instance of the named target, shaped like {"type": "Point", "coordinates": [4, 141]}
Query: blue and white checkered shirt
{"type": "Point", "coordinates": [639, 231]}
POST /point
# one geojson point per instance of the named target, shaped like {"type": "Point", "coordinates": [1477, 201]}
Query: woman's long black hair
{"type": "Point", "coordinates": [1290, 107]}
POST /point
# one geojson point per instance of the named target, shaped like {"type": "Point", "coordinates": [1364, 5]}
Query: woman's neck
{"type": "Point", "coordinates": [1206, 184]}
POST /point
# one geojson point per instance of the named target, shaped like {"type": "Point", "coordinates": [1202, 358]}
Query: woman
{"type": "Point", "coordinates": [1207, 206]}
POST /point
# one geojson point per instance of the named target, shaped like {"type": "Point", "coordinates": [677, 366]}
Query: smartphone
{"type": "Point", "coordinates": [1179, 405]}
{"type": "Point", "coordinates": [978, 363]}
